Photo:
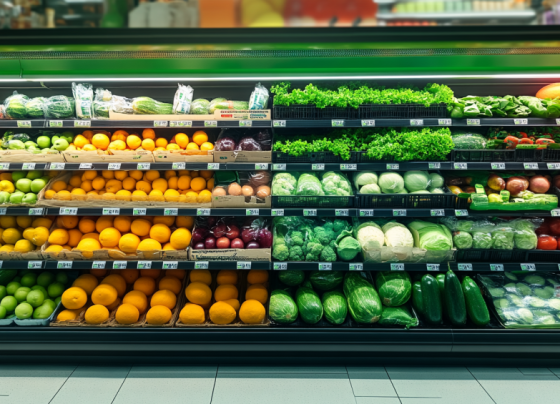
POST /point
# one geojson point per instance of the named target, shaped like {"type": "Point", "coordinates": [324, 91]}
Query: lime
{"type": "Point", "coordinates": [24, 310]}
{"type": "Point", "coordinates": [9, 303]}
{"type": "Point", "coordinates": [45, 279]}
{"type": "Point", "coordinates": [50, 303]}
{"type": "Point", "coordinates": [43, 311]}
{"type": "Point", "coordinates": [3, 292]}
{"type": "Point", "coordinates": [57, 300]}
{"type": "Point", "coordinates": [42, 289]}
{"type": "Point", "coordinates": [55, 290]}
{"type": "Point", "coordinates": [29, 279]}
{"type": "Point", "coordinates": [61, 277]}
{"type": "Point", "coordinates": [35, 298]}
{"type": "Point", "coordinates": [3, 312]}
{"type": "Point", "coordinates": [21, 294]}
{"type": "Point", "coordinates": [12, 287]}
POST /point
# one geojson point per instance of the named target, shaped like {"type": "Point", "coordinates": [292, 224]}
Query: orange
{"type": "Point", "coordinates": [149, 244]}
{"type": "Point", "coordinates": [94, 236]}
{"type": "Point", "coordinates": [172, 146]}
{"type": "Point", "coordinates": [148, 144]}
{"type": "Point", "coordinates": [86, 185]}
{"type": "Point", "coordinates": [117, 282]}
{"type": "Point", "coordinates": [136, 174]}
{"type": "Point", "coordinates": [160, 232]}
{"type": "Point", "coordinates": [138, 299]}
{"type": "Point", "coordinates": [184, 182]}
{"type": "Point", "coordinates": [69, 222]}
{"type": "Point", "coordinates": [197, 184]}
{"type": "Point", "coordinates": [68, 315]}
{"type": "Point", "coordinates": [201, 275]}
{"type": "Point", "coordinates": [113, 306]}
{"type": "Point", "coordinates": [119, 135]}
{"type": "Point", "coordinates": [184, 221]}
{"type": "Point", "coordinates": [170, 283]}
{"type": "Point", "coordinates": [64, 195]}
{"type": "Point", "coordinates": [145, 285]}
{"type": "Point", "coordinates": [225, 292]}
{"type": "Point", "coordinates": [252, 312]}
{"type": "Point", "coordinates": [122, 223]}
{"type": "Point", "coordinates": [80, 141]}
{"type": "Point", "coordinates": [258, 292]}
{"type": "Point", "coordinates": [198, 293]}
{"type": "Point", "coordinates": [129, 243]}
{"type": "Point", "coordinates": [98, 183]}
{"type": "Point", "coordinates": [117, 145]}
{"type": "Point", "coordinates": [192, 146]}
{"type": "Point", "coordinates": [123, 195]}
{"type": "Point", "coordinates": [140, 227]}
{"type": "Point", "coordinates": [170, 174]}
{"type": "Point", "coordinates": [113, 186]}
{"type": "Point", "coordinates": [204, 196]}
{"type": "Point", "coordinates": [206, 174]}
{"type": "Point", "coordinates": [194, 174]}
{"type": "Point", "coordinates": [171, 195]}
{"type": "Point", "coordinates": [129, 275]}
{"type": "Point", "coordinates": [164, 298]}
{"type": "Point", "coordinates": [96, 314]}
{"type": "Point", "coordinates": [173, 182]}
{"type": "Point", "coordinates": [180, 239]}
{"type": "Point", "coordinates": [222, 313]}
{"type": "Point", "coordinates": [104, 294]}
{"type": "Point", "coordinates": [206, 146]}
{"type": "Point", "coordinates": [233, 303]}
{"type": "Point", "coordinates": [49, 194]}
{"type": "Point", "coordinates": [160, 184]}
{"type": "Point", "coordinates": [227, 277]}
{"type": "Point", "coordinates": [161, 142]}
{"type": "Point", "coordinates": [58, 186]}
{"type": "Point", "coordinates": [109, 237]}
{"type": "Point", "coordinates": [148, 134]}
{"type": "Point", "coordinates": [89, 175]}
{"type": "Point", "coordinates": [192, 314]}
{"type": "Point", "coordinates": [144, 186]}
{"type": "Point", "coordinates": [120, 175]}
{"type": "Point", "coordinates": [86, 225]}
{"type": "Point", "coordinates": [89, 147]}
{"type": "Point", "coordinates": [158, 315]}
{"type": "Point", "coordinates": [100, 141]}
{"type": "Point", "coordinates": [151, 175]}
{"type": "Point", "coordinates": [199, 137]}
{"type": "Point", "coordinates": [182, 140]}
{"type": "Point", "coordinates": [87, 282]}
{"type": "Point", "coordinates": [176, 273]}
{"type": "Point", "coordinates": [257, 276]}
{"type": "Point", "coordinates": [75, 181]}
{"type": "Point", "coordinates": [127, 314]}
{"type": "Point", "coordinates": [98, 272]}
{"type": "Point", "coordinates": [151, 273]}
{"type": "Point", "coordinates": [103, 222]}
{"type": "Point", "coordinates": [134, 142]}
{"type": "Point", "coordinates": [74, 238]}
{"type": "Point", "coordinates": [57, 236]}
{"type": "Point", "coordinates": [108, 174]}
{"type": "Point", "coordinates": [129, 183]}
{"type": "Point", "coordinates": [166, 220]}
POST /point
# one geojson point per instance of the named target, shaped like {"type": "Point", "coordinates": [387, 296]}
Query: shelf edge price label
{"type": "Point", "coordinates": [531, 166]}
{"type": "Point", "coordinates": [178, 166]}
{"type": "Point", "coordinates": [553, 166]}
{"type": "Point", "coordinates": [432, 166]}
{"type": "Point", "coordinates": [356, 267]}
{"type": "Point", "coordinates": [337, 123]}
{"type": "Point", "coordinates": [68, 211]}
{"type": "Point", "coordinates": [461, 212]}
{"type": "Point", "coordinates": [279, 167]}
{"type": "Point", "coordinates": [366, 212]}
{"type": "Point", "coordinates": [310, 212]}
{"type": "Point", "coordinates": [4, 166]}
{"type": "Point", "coordinates": [555, 212]}
{"type": "Point", "coordinates": [82, 124]}
{"type": "Point", "coordinates": [114, 166]}
{"type": "Point", "coordinates": [277, 212]}
{"type": "Point", "coordinates": [64, 265]}
{"type": "Point", "coordinates": [245, 123]}
{"type": "Point", "coordinates": [56, 124]}
{"type": "Point", "coordinates": [23, 124]}
{"type": "Point", "coordinates": [160, 124]}
{"type": "Point", "coordinates": [201, 265]}
{"type": "Point", "coordinates": [119, 264]}
{"type": "Point", "coordinates": [170, 265]}
{"type": "Point", "coordinates": [521, 121]}
{"type": "Point", "coordinates": [280, 266]}
{"type": "Point", "coordinates": [252, 212]}
{"type": "Point", "coordinates": [1, 262]}
{"type": "Point", "coordinates": [279, 124]}
{"type": "Point", "coordinates": [397, 267]}
{"type": "Point", "coordinates": [498, 166]}
{"type": "Point", "coordinates": [341, 212]}
{"type": "Point", "coordinates": [261, 166]}
{"type": "Point", "coordinates": [496, 267]}
{"type": "Point", "coordinates": [34, 264]}
{"type": "Point", "coordinates": [143, 166]}
{"type": "Point", "coordinates": [111, 211]}
{"type": "Point", "coordinates": [416, 122]}
{"type": "Point", "coordinates": [348, 167]}
{"type": "Point", "coordinates": [528, 267]}
{"type": "Point", "coordinates": [170, 212]}
{"type": "Point", "coordinates": [203, 212]}
{"type": "Point", "coordinates": [3, 211]}
{"type": "Point", "coordinates": [399, 212]}
{"type": "Point", "coordinates": [180, 124]}
{"type": "Point", "coordinates": [144, 265]}
{"type": "Point", "coordinates": [392, 166]}
{"type": "Point", "coordinates": [432, 267]}
{"type": "Point", "coordinates": [325, 266]}
{"type": "Point", "coordinates": [86, 166]}
{"type": "Point", "coordinates": [368, 122]}
{"type": "Point", "coordinates": [243, 265]}
{"type": "Point", "coordinates": [460, 166]}
{"type": "Point", "coordinates": [473, 122]}
{"type": "Point", "coordinates": [98, 264]}
{"type": "Point", "coordinates": [318, 167]}
{"type": "Point", "coordinates": [437, 212]}
{"type": "Point", "coordinates": [464, 267]}
{"type": "Point", "coordinates": [139, 212]}
{"type": "Point", "coordinates": [28, 166]}
{"type": "Point", "coordinates": [57, 166]}
{"type": "Point", "coordinates": [213, 166]}
{"type": "Point", "coordinates": [445, 122]}
{"type": "Point", "coordinates": [210, 124]}
{"type": "Point", "coordinates": [35, 211]}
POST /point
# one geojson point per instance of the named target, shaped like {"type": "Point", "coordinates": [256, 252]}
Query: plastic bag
{"type": "Point", "coordinates": [14, 106]}
{"type": "Point", "coordinates": [183, 99]}
{"type": "Point", "coordinates": [525, 237]}
{"type": "Point", "coordinates": [249, 184]}
{"type": "Point", "coordinates": [59, 107]}
{"type": "Point", "coordinates": [122, 105]}
{"type": "Point", "coordinates": [222, 103]}
{"type": "Point", "coordinates": [35, 107]}
{"type": "Point", "coordinates": [229, 232]}
{"type": "Point", "coordinates": [259, 97]}
{"type": "Point", "coordinates": [234, 139]}
{"type": "Point", "coordinates": [337, 184]}
{"type": "Point", "coordinates": [83, 95]}
{"type": "Point", "coordinates": [200, 106]}
{"type": "Point", "coordinates": [309, 184]}
{"type": "Point", "coordinates": [284, 183]}
{"type": "Point", "coordinates": [102, 103]}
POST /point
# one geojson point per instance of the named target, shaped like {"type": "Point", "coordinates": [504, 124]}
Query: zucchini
{"type": "Point", "coordinates": [454, 299]}
{"type": "Point", "coordinates": [476, 306]}
{"type": "Point", "coordinates": [440, 278]}
{"type": "Point", "coordinates": [417, 301]}
{"type": "Point", "coordinates": [149, 106]}
{"type": "Point", "coordinates": [431, 299]}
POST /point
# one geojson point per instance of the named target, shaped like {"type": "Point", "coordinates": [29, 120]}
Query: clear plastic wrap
{"type": "Point", "coordinates": [231, 232]}
{"type": "Point", "coordinates": [284, 183]}
{"type": "Point", "coordinates": [59, 107]}
{"type": "Point", "coordinates": [122, 105]}
{"type": "Point", "coordinates": [309, 184]}
{"type": "Point", "coordinates": [83, 96]}
{"type": "Point", "coordinates": [149, 106]}
{"type": "Point", "coordinates": [35, 108]}
{"type": "Point", "coordinates": [183, 99]}
{"type": "Point", "coordinates": [249, 184]}
{"type": "Point", "coordinates": [335, 183]}
{"type": "Point", "coordinates": [102, 103]}
{"type": "Point", "coordinates": [234, 139]}
{"type": "Point", "coordinates": [222, 103]}
{"type": "Point", "coordinates": [259, 97]}
{"type": "Point", "coordinates": [14, 106]}
{"type": "Point", "coordinates": [200, 106]}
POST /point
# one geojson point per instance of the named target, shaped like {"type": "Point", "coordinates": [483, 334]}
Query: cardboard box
{"type": "Point", "coordinates": [230, 254]}
{"type": "Point", "coordinates": [242, 156]}
{"type": "Point", "coordinates": [23, 156]}
{"type": "Point", "coordinates": [183, 156]}
{"type": "Point", "coordinates": [117, 156]}
{"type": "Point", "coordinates": [218, 115]}
{"type": "Point", "coordinates": [230, 201]}
{"type": "Point", "coordinates": [13, 255]}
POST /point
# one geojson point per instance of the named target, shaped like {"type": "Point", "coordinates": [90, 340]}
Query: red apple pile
{"type": "Point", "coordinates": [227, 232]}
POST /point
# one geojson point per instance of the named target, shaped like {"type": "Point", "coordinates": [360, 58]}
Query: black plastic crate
{"type": "Point", "coordinates": [483, 155]}
{"type": "Point", "coordinates": [402, 111]}
{"type": "Point", "coordinates": [332, 113]}
{"type": "Point", "coordinates": [406, 201]}
{"type": "Point", "coordinates": [363, 158]}
{"type": "Point", "coordinates": [299, 201]}
{"type": "Point", "coordinates": [295, 112]}
{"type": "Point", "coordinates": [318, 157]}
{"type": "Point", "coordinates": [551, 155]}
{"type": "Point", "coordinates": [489, 255]}
{"type": "Point", "coordinates": [543, 256]}
{"type": "Point", "coordinates": [529, 155]}
{"type": "Point", "coordinates": [433, 111]}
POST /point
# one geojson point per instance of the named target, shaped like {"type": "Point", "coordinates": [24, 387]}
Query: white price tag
{"type": "Point", "coordinates": [337, 123]}
{"type": "Point", "coordinates": [432, 267]}
{"type": "Point", "coordinates": [180, 124]}
{"type": "Point", "coordinates": [251, 212]}
{"type": "Point", "coordinates": [35, 211]}
{"type": "Point", "coordinates": [114, 166]}
{"type": "Point", "coordinates": [473, 122]}
{"type": "Point", "coordinates": [460, 166]}
{"type": "Point", "coordinates": [201, 265]}
{"type": "Point", "coordinates": [325, 266]}
{"type": "Point", "coordinates": [111, 211]}
{"type": "Point", "coordinates": [203, 212]}
{"type": "Point", "coordinates": [3, 211]}
{"type": "Point", "coordinates": [416, 122]}
{"type": "Point", "coordinates": [98, 264]}
{"type": "Point", "coordinates": [310, 212]}
{"type": "Point", "coordinates": [28, 166]}
{"type": "Point", "coordinates": [397, 267]}
{"type": "Point", "coordinates": [356, 267]}
{"type": "Point", "coordinates": [433, 166]}
{"type": "Point", "coordinates": [119, 264]}
{"type": "Point", "coordinates": [553, 166]}
{"type": "Point", "coordinates": [461, 212]}
{"type": "Point", "coordinates": [521, 121]}
{"type": "Point", "coordinates": [178, 166]}
{"type": "Point", "coordinates": [528, 267]}
{"type": "Point", "coordinates": [318, 167]}
{"type": "Point", "coordinates": [280, 266]}
{"type": "Point", "coordinates": [160, 124]}
{"type": "Point", "coordinates": [139, 212]}
{"type": "Point", "coordinates": [279, 167]}
{"type": "Point", "coordinates": [170, 212]}
{"type": "Point", "coordinates": [368, 122]}
{"type": "Point", "coordinates": [210, 124]}
{"type": "Point", "coordinates": [261, 166]}
{"type": "Point", "coordinates": [366, 212]}
{"type": "Point", "coordinates": [277, 212]}
{"type": "Point", "coordinates": [348, 167]}
{"type": "Point", "coordinates": [143, 166]}
{"type": "Point", "coordinates": [555, 212]}
{"type": "Point", "coordinates": [531, 166]}
{"type": "Point", "coordinates": [144, 265]}
{"type": "Point", "coordinates": [23, 124]}
{"type": "Point", "coordinates": [243, 264]}
{"type": "Point", "coordinates": [245, 123]}
{"type": "Point", "coordinates": [1, 262]}
{"type": "Point", "coordinates": [464, 267]}
{"type": "Point", "coordinates": [437, 212]}
{"type": "Point", "coordinates": [68, 211]}
{"type": "Point", "coordinates": [496, 267]}
{"type": "Point", "coordinates": [445, 122]}
{"type": "Point", "coordinates": [170, 265]}
{"type": "Point", "coordinates": [4, 166]}
{"type": "Point", "coordinates": [55, 124]}
{"type": "Point", "coordinates": [399, 212]}
{"type": "Point", "coordinates": [82, 124]}
{"type": "Point", "coordinates": [557, 121]}
{"type": "Point", "coordinates": [57, 166]}
{"type": "Point", "coordinates": [341, 212]}
{"type": "Point", "coordinates": [392, 166]}
{"type": "Point", "coordinates": [34, 264]}
{"type": "Point", "coordinates": [213, 166]}
{"type": "Point", "coordinates": [86, 166]}
{"type": "Point", "coordinates": [498, 166]}
{"type": "Point", "coordinates": [279, 124]}
{"type": "Point", "coordinates": [64, 265]}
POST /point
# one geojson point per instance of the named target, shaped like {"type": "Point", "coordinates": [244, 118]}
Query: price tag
{"type": "Point", "coordinates": [98, 264]}
{"type": "Point", "coordinates": [557, 121]}
{"type": "Point", "coordinates": [57, 166]}
{"type": "Point", "coordinates": [433, 166]}
{"type": "Point", "coordinates": [111, 211]}
{"type": "Point", "coordinates": [444, 122]}
{"type": "Point", "coordinates": [528, 267]}
{"type": "Point", "coordinates": [557, 288]}
{"type": "Point", "coordinates": [399, 212]}
{"type": "Point", "coordinates": [341, 212]}
{"type": "Point", "coordinates": [119, 264]}
{"type": "Point", "coordinates": [498, 166]}
{"type": "Point", "coordinates": [310, 212]}
{"type": "Point", "coordinates": [170, 212]}
{"type": "Point", "coordinates": [368, 122]}
{"type": "Point", "coordinates": [170, 265]}
{"type": "Point", "coordinates": [337, 123]}
{"type": "Point", "coordinates": [317, 167]}
{"type": "Point", "coordinates": [1, 262]}
{"type": "Point", "coordinates": [252, 212]}
{"type": "Point", "coordinates": [144, 265]}
{"type": "Point", "coordinates": [432, 267]}
{"type": "Point", "coordinates": [55, 124]}
{"type": "Point", "coordinates": [178, 166]}
{"type": "Point", "coordinates": [64, 265]}
{"type": "Point", "coordinates": [473, 122]}
{"type": "Point", "coordinates": [279, 124]}
{"type": "Point", "coordinates": [3, 211]}
{"type": "Point", "coordinates": [28, 166]}
{"type": "Point", "coordinates": [496, 267]}
{"type": "Point", "coordinates": [4, 166]}
{"type": "Point", "coordinates": [143, 166]}
{"type": "Point", "coordinates": [160, 124]}
{"type": "Point", "coordinates": [180, 124]}
{"type": "Point", "coordinates": [35, 211]}
{"type": "Point", "coordinates": [82, 124]}
{"type": "Point", "coordinates": [213, 166]}
{"type": "Point", "coordinates": [464, 267]}
{"type": "Point", "coordinates": [68, 211]}
{"type": "Point", "coordinates": [261, 166]}
{"type": "Point", "coordinates": [348, 167]}
{"type": "Point", "coordinates": [203, 212]}
{"type": "Point", "coordinates": [34, 264]}
{"type": "Point", "coordinates": [397, 267]}
{"type": "Point", "coordinates": [531, 166]}
{"type": "Point", "coordinates": [461, 212]}
{"type": "Point", "coordinates": [114, 166]}
{"type": "Point", "coordinates": [555, 212]}
{"type": "Point", "coordinates": [553, 166]}
{"type": "Point", "coordinates": [279, 167]}
{"type": "Point", "coordinates": [23, 124]}
{"type": "Point", "coordinates": [245, 123]}
{"type": "Point", "coordinates": [139, 212]}
{"type": "Point", "coordinates": [86, 166]}
{"type": "Point", "coordinates": [201, 265]}
{"type": "Point", "coordinates": [392, 166]}
{"type": "Point", "coordinates": [460, 166]}
{"type": "Point", "coordinates": [243, 264]}
{"type": "Point", "coordinates": [416, 122]}
{"type": "Point", "coordinates": [437, 212]}
{"type": "Point", "coordinates": [210, 124]}
{"type": "Point", "coordinates": [521, 121]}
{"type": "Point", "coordinates": [356, 267]}
{"type": "Point", "coordinates": [325, 266]}
{"type": "Point", "coordinates": [280, 266]}
{"type": "Point", "coordinates": [366, 212]}
{"type": "Point", "coordinates": [277, 212]}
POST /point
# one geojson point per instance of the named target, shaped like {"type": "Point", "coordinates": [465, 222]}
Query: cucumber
{"type": "Point", "coordinates": [417, 301]}
{"type": "Point", "coordinates": [454, 300]}
{"type": "Point", "coordinates": [476, 306]}
{"type": "Point", "coordinates": [431, 299]}
{"type": "Point", "coordinates": [440, 278]}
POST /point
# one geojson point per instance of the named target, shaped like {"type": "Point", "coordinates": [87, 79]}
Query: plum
{"type": "Point", "coordinates": [210, 242]}
{"type": "Point", "coordinates": [233, 232]}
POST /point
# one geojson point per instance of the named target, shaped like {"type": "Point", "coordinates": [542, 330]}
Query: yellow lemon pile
{"type": "Point", "coordinates": [23, 234]}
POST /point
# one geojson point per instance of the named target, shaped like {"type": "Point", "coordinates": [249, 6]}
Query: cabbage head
{"type": "Point", "coordinates": [370, 189]}
{"type": "Point", "coordinates": [397, 235]}
{"type": "Point", "coordinates": [416, 180]}
{"type": "Point", "coordinates": [431, 236]}
{"type": "Point", "coordinates": [365, 178]}
{"type": "Point", "coordinates": [309, 184]}
{"type": "Point", "coordinates": [370, 236]}
{"type": "Point", "coordinates": [347, 247]}
{"type": "Point", "coordinates": [524, 237]}
{"type": "Point", "coordinates": [436, 180]}
{"type": "Point", "coordinates": [462, 240]}
{"type": "Point", "coordinates": [391, 183]}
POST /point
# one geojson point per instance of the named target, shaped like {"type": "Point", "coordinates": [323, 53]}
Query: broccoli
{"type": "Point", "coordinates": [328, 254]}
{"type": "Point", "coordinates": [296, 253]}
{"type": "Point", "coordinates": [323, 236]}
{"type": "Point", "coordinates": [328, 226]}
{"type": "Point", "coordinates": [280, 251]}
{"type": "Point", "coordinates": [339, 226]}
{"type": "Point", "coordinates": [332, 244]}
{"type": "Point", "coordinates": [296, 238]}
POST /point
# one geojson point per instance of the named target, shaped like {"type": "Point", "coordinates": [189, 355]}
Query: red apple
{"type": "Point", "coordinates": [220, 230]}
{"type": "Point", "coordinates": [210, 243]}
{"type": "Point", "coordinates": [237, 243]}
{"type": "Point", "coordinates": [233, 232]}
{"type": "Point", "coordinates": [516, 185]}
{"type": "Point", "coordinates": [223, 242]}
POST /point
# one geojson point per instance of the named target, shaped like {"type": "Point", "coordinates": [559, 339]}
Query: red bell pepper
{"type": "Point", "coordinates": [511, 142]}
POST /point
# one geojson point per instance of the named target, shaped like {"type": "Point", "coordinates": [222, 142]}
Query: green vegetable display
{"type": "Point", "coordinates": [430, 236]}
{"type": "Point", "coordinates": [291, 278]}
{"type": "Point", "coordinates": [311, 184]}
{"type": "Point", "coordinates": [282, 307]}
{"type": "Point", "coordinates": [309, 305]}
{"type": "Point", "coordinates": [394, 288]}
{"type": "Point", "coordinates": [398, 316]}
{"type": "Point", "coordinates": [326, 280]}
{"type": "Point", "coordinates": [363, 301]}
{"type": "Point", "coordinates": [16, 106]}
{"type": "Point", "coordinates": [507, 106]}
{"type": "Point", "coordinates": [335, 307]}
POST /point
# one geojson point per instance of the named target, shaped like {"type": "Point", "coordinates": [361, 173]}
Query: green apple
{"type": "Point", "coordinates": [24, 311]}
{"type": "Point", "coordinates": [30, 198]}
{"type": "Point", "coordinates": [12, 287]}
{"type": "Point", "coordinates": [29, 279]}
{"type": "Point", "coordinates": [44, 142]}
{"type": "Point", "coordinates": [50, 303]}
{"type": "Point", "coordinates": [35, 298]}
{"type": "Point", "coordinates": [57, 300]}
{"type": "Point", "coordinates": [41, 288]}
{"type": "Point", "coordinates": [43, 312]}
{"type": "Point", "coordinates": [55, 138]}
{"type": "Point", "coordinates": [45, 178]}
{"type": "Point", "coordinates": [45, 279]}
{"type": "Point", "coordinates": [37, 185]}
{"type": "Point", "coordinates": [16, 197]}
{"type": "Point", "coordinates": [61, 277]}
{"type": "Point", "coordinates": [9, 303]}
{"type": "Point", "coordinates": [21, 294]}
{"type": "Point", "coordinates": [68, 136]}
{"type": "Point", "coordinates": [17, 175]}
{"type": "Point", "coordinates": [34, 174]}
{"type": "Point", "coordinates": [60, 145]}
{"type": "Point", "coordinates": [3, 292]}
{"type": "Point", "coordinates": [3, 312]}
{"type": "Point", "coordinates": [24, 185]}
{"type": "Point", "coordinates": [55, 290]}
{"type": "Point", "coordinates": [17, 278]}
{"type": "Point", "coordinates": [4, 197]}
{"type": "Point", "coordinates": [31, 143]}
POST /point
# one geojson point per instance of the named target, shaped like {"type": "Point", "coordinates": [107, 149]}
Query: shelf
{"type": "Point", "coordinates": [416, 165]}
{"type": "Point", "coordinates": [135, 166]}
{"type": "Point", "coordinates": [521, 15]}
{"type": "Point", "coordinates": [359, 123]}
{"type": "Point", "coordinates": [83, 124]}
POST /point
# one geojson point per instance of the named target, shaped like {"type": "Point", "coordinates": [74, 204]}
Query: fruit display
{"type": "Point", "coordinates": [411, 182]}
{"type": "Point", "coordinates": [177, 186]}
{"type": "Point", "coordinates": [23, 236]}
{"type": "Point", "coordinates": [221, 233]}
{"type": "Point", "coordinates": [27, 295]}
{"type": "Point", "coordinates": [23, 187]}
{"type": "Point", "coordinates": [45, 142]}
{"type": "Point", "coordinates": [249, 187]}
{"type": "Point", "coordinates": [85, 237]}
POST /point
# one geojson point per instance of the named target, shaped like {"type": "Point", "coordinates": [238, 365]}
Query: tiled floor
{"type": "Point", "coordinates": [44, 384]}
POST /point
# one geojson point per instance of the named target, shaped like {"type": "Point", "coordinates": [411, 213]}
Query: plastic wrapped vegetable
{"type": "Point", "coordinates": [200, 106]}
{"type": "Point", "coordinates": [482, 240]}
{"type": "Point", "coordinates": [222, 103]}
{"type": "Point", "coordinates": [122, 105]}
{"type": "Point", "coordinates": [398, 316]}
{"type": "Point", "coordinates": [326, 280]}
{"type": "Point", "coordinates": [182, 100]}
{"type": "Point", "coordinates": [35, 107]}
{"type": "Point", "coordinates": [102, 103]}
{"type": "Point", "coordinates": [149, 106]}
{"type": "Point", "coordinates": [362, 178]}
{"type": "Point", "coordinates": [334, 183]}
{"type": "Point", "coordinates": [462, 240]}
{"type": "Point", "coordinates": [15, 106]}
{"type": "Point", "coordinates": [259, 97]}
{"type": "Point", "coordinates": [284, 184]}
{"type": "Point", "coordinates": [59, 107]}
{"type": "Point", "coordinates": [309, 184]}
{"type": "Point", "coordinates": [502, 238]}
{"type": "Point", "coordinates": [430, 236]}
{"type": "Point", "coordinates": [394, 288]}
{"type": "Point", "coordinates": [391, 183]}
{"type": "Point", "coordinates": [83, 95]}
{"type": "Point", "coordinates": [524, 237]}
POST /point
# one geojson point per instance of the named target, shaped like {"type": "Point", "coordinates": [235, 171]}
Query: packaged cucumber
{"type": "Point", "coordinates": [183, 99]}
{"type": "Point", "coordinates": [102, 103]}
{"type": "Point", "coordinates": [222, 103]}
{"type": "Point", "coordinates": [259, 97]}
{"type": "Point", "coordinates": [83, 95]}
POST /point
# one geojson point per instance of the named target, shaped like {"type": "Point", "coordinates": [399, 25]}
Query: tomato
{"type": "Point", "coordinates": [555, 226]}
{"type": "Point", "coordinates": [547, 243]}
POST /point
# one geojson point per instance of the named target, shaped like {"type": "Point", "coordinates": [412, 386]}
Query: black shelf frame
{"type": "Point", "coordinates": [417, 122]}
{"type": "Point", "coordinates": [126, 124]}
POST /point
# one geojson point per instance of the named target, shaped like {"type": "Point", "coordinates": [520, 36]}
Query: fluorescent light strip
{"type": "Point", "coordinates": [263, 78]}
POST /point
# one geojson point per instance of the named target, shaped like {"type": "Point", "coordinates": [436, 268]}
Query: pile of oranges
{"type": "Point", "coordinates": [182, 186]}
{"type": "Point", "coordinates": [122, 140]}
{"type": "Point", "coordinates": [120, 234]}
{"type": "Point", "coordinates": [126, 291]}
